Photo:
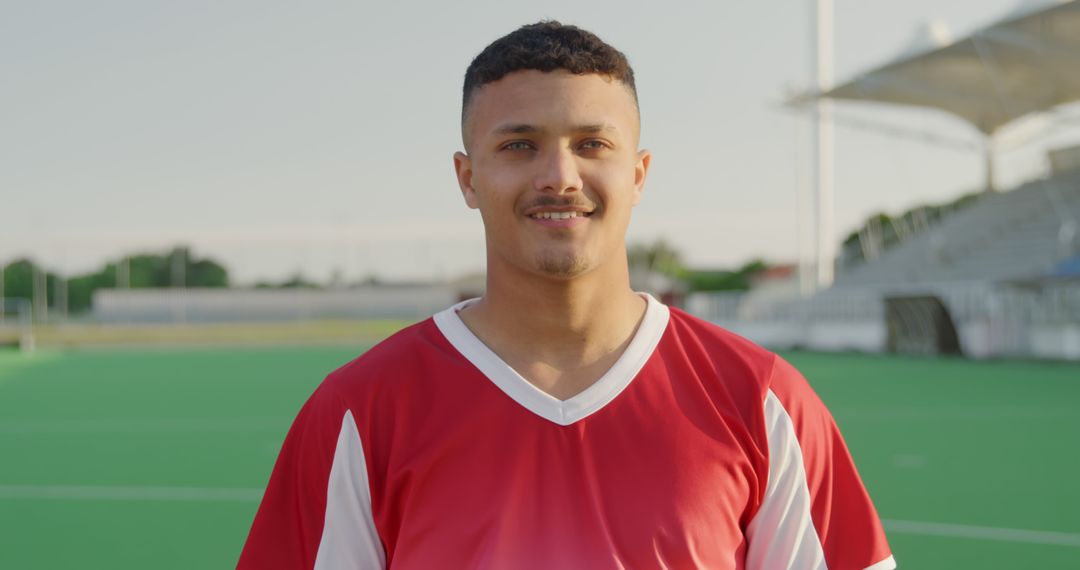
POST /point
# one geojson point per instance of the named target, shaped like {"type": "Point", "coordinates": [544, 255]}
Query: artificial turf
{"type": "Point", "coordinates": [98, 447]}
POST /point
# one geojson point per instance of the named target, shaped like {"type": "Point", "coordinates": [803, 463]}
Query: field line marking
{"type": "Point", "coordinates": [982, 532]}
{"type": "Point", "coordinates": [126, 493]}
{"type": "Point", "coordinates": [231, 494]}
{"type": "Point", "coordinates": [140, 425]}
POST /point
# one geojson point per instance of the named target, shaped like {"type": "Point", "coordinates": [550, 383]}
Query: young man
{"type": "Point", "coordinates": [562, 421]}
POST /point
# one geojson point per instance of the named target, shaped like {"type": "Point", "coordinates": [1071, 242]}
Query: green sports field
{"type": "Point", "coordinates": [156, 458]}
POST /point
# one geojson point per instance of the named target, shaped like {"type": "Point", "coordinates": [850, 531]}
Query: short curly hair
{"type": "Point", "coordinates": [546, 46]}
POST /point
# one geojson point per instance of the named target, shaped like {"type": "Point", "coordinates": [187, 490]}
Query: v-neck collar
{"type": "Point", "coordinates": [579, 406]}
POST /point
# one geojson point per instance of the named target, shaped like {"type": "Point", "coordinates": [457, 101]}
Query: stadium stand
{"type": "Point", "coordinates": [995, 271]}
{"type": "Point", "coordinates": [1068, 268]}
{"type": "Point", "coordinates": [1019, 234]}
{"type": "Point", "coordinates": [997, 278]}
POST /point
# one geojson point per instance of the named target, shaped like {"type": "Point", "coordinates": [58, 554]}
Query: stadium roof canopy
{"type": "Point", "coordinates": [1023, 64]}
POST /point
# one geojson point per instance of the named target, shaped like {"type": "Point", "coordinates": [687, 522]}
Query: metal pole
{"type": "Point", "coordinates": [40, 295]}
{"type": "Point", "coordinates": [803, 227]}
{"type": "Point", "coordinates": [989, 159]}
{"type": "Point", "coordinates": [123, 273]}
{"type": "Point", "coordinates": [26, 339]}
{"type": "Point", "coordinates": [60, 297]}
{"type": "Point", "coordinates": [823, 143]}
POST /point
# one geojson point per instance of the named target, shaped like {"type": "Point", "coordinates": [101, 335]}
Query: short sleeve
{"type": "Point", "coordinates": [316, 511]}
{"type": "Point", "coordinates": [816, 512]}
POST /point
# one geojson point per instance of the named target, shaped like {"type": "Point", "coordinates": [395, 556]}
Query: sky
{"type": "Point", "coordinates": [316, 137]}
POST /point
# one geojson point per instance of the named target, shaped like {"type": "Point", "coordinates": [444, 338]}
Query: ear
{"type": "Point", "coordinates": [463, 168]}
{"type": "Point", "coordinates": [641, 170]}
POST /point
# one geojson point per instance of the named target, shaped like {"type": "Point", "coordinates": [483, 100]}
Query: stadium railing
{"type": "Point", "coordinates": [991, 320]}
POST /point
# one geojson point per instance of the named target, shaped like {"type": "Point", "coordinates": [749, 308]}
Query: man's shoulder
{"type": "Point", "coordinates": [717, 343]}
{"type": "Point", "coordinates": [401, 377]}
{"type": "Point", "coordinates": [734, 353]}
{"type": "Point", "coordinates": [398, 356]}
{"type": "Point", "coordinates": [728, 367]}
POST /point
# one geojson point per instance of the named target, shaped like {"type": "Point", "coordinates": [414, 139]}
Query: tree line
{"type": "Point", "coordinates": [177, 268]}
{"type": "Point", "coordinates": [662, 257]}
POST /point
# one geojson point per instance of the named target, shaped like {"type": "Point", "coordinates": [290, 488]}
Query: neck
{"type": "Point", "coordinates": [555, 327]}
{"type": "Point", "coordinates": [555, 311]}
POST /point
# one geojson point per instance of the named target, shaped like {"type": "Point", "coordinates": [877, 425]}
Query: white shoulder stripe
{"type": "Point", "coordinates": [349, 538]}
{"type": "Point", "coordinates": [782, 533]}
{"type": "Point", "coordinates": [887, 564]}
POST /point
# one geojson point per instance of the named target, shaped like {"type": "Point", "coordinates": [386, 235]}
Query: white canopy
{"type": "Point", "coordinates": [1026, 63]}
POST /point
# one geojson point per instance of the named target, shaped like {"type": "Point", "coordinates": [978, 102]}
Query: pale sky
{"type": "Point", "coordinates": [317, 136]}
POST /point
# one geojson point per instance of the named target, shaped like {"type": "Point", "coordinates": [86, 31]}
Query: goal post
{"type": "Point", "coordinates": [920, 325]}
{"type": "Point", "coordinates": [16, 323]}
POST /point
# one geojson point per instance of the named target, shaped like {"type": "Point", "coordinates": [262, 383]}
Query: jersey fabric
{"type": "Point", "coordinates": [697, 449]}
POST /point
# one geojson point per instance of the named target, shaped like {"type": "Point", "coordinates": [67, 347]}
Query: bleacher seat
{"type": "Point", "coordinates": [1003, 236]}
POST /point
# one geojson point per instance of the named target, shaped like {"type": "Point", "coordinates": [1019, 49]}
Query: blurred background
{"type": "Point", "coordinates": [207, 206]}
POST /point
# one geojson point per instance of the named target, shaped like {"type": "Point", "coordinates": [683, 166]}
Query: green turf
{"type": "Point", "coordinates": [192, 418]}
{"type": "Point", "coordinates": [988, 444]}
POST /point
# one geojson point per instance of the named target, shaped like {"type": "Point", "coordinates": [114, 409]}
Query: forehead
{"type": "Point", "coordinates": [550, 100]}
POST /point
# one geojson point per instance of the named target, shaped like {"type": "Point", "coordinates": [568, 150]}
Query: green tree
{"type": "Point", "coordinates": [726, 280]}
{"type": "Point", "coordinates": [662, 257]}
{"type": "Point", "coordinates": [19, 279]}
{"type": "Point", "coordinates": [19, 282]}
{"type": "Point", "coordinates": [659, 256]}
{"type": "Point", "coordinates": [81, 287]}
{"type": "Point", "coordinates": [176, 267]}
{"type": "Point", "coordinates": [144, 270]}
{"type": "Point", "coordinates": [298, 281]}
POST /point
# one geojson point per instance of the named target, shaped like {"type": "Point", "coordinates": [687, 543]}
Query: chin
{"type": "Point", "coordinates": [562, 266]}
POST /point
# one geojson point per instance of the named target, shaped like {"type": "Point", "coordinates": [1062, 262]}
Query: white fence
{"type": "Point", "coordinates": [253, 305]}
{"type": "Point", "coordinates": [1039, 321]}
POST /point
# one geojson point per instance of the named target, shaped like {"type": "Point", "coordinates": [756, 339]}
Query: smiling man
{"type": "Point", "coordinates": [562, 421]}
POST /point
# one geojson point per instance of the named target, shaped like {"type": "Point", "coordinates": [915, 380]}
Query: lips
{"type": "Point", "coordinates": [556, 217]}
{"type": "Point", "coordinates": [547, 208]}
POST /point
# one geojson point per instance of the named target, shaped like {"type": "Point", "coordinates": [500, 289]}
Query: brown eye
{"type": "Point", "coordinates": [517, 145]}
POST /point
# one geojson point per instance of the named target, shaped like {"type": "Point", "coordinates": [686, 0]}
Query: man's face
{"type": "Point", "coordinates": [554, 169]}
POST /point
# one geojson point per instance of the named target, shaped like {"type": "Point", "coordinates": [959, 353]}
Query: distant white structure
{"type": "Point", "coordinates": [400, 301]}
{"type": "Point", "coordinates": [16, 323]}
{"type": "Point", "coordinates": [996, 278]}
{"type": "Point", "coordinates": [932, 35]}
{"type": "Point", "coordinates": [1064, 160]}
{"type": "Point", "coordinates": [1021, 65]}
{"type": "Point", "coordinates": [1002, 236]}
{"type": "Point", "coordinates": [1000, 273]}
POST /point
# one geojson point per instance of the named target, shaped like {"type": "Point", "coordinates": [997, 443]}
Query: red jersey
{"type": "Point", "coordinates": [697, 449]}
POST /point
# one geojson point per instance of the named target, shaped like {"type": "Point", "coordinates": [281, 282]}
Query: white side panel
{"type": "Point", "coordinates": [782, 533]}
{"type": "Point", "coordinates": [887, 564]}
{"type": "Point", "coordinates": [349, 539]}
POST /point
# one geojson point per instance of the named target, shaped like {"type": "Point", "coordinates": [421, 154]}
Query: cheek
{"type": "Point", "coordinates": [500, 205]}
{"type": "Point", "coordinates": [497, 209]}
{"type": "Point", "coordinates": [618, 184]}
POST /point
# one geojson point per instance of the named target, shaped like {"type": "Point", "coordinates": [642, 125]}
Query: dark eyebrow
{"type": "Point", "coordinates": [526, 129]}
{"type": "Point", "coordinates": [597, 128]}
{"type": "Point", "coordinates": [516, 129]}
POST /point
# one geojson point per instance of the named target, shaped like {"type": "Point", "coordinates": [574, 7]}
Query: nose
{"type": "Point", "coordinates": [558, 172]}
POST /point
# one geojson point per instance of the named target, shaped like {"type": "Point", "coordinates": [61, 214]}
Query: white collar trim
{"type": "Point", "coordinates": [580, 406]}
